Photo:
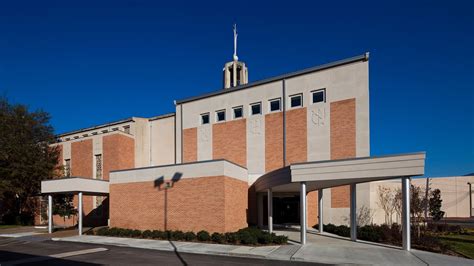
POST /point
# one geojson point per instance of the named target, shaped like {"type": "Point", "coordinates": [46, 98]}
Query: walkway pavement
{"type": "Point", "coordinates": [320, 249]}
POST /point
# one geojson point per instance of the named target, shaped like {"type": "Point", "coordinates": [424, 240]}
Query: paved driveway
{"type": "Point", "coordinates": [38, 251]}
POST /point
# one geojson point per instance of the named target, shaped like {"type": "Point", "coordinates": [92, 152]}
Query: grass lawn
{"type": "Point", "coordinates": [462, 244]}
{"type": "Point", "coordinates": [5, 226]}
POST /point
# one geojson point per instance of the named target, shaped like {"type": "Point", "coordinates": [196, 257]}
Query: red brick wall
{"type": "Point", "coordinates": [343, 144]}
{"type": "Point", "coordinates": [229, 141]}
{"type": "Point", "coordinates": [190, 145]}
{"type": "Point", "coordinates": [236, 204]}
{"type": "Point", "coordinates": [296, 136]}
{"type": "Point", "coordinates": [190, 206]}
{"type": "Point", "coordinates": [81, 158]}
{"type": "Point", "coordinates": [118, 152]}
{"type": "Point", "coordinates": [312, 205]}
{"type": "Point", "coordinates": [273, 141]}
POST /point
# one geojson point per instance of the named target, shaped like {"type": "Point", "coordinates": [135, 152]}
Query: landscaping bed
{"type": "Point", "coordinates": [439, 238]}
{"type": "Point", "coordinates": [246, 236]}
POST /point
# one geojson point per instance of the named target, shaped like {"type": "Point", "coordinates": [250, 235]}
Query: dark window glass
{"type": "Point", "coordinates": [221, 116]}
{"type": "Point", "coordinates": [238, 112]}
{"type": "Point", "coordinates": [205, 119]}
{"type": "Point", "coordinates": [318, 96]}
{"type": "Point", "coordinates": [256, 109]}
{"type": "Point", "coordinates": [296, 101]}
{"type": "Point", "coordinates": [275, 105]}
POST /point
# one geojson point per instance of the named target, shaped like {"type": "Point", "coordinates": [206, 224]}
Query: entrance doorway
{"type": "Point", "coordinates": [286, 209]}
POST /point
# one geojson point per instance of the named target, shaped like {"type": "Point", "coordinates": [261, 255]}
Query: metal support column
{"type": "Point", "coordinates": [320, 210]}
{"type": "Point", "coordinates": [303, 213]}
{"type": "Point", "coordinates": [50, 214]}
{"type": "Point", "coordinates": [353, 212]}
{"type": "Point", "coordinates": [270, 210]}
{"type": "Point", "coordinates": [406, 213]}
{"type": "Point", "coordinates": [79, 227]}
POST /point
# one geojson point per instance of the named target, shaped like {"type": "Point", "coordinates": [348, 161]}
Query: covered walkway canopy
{"type": "Point", "coordinates": [310, 176]}
{"type": "Point", "coordinates": [72, 185]}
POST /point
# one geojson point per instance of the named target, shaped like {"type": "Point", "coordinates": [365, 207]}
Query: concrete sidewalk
{"type": "Point", "coordinates": [320, 249]}
{"type": "Point", "coordinates": [274, 252]}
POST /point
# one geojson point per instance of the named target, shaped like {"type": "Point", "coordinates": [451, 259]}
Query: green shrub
{"type": "Point", "coordinates": [247, 238]}
{"type": "Point", "coordinates": [203, 236]}
{"type": "Point", "coordinates": [189, 236]}
{"type": "Point", "coordinates": [218, 238]}
{"type": "Point", "coordinates": [136, 233]}
{"type": "Point", "coordinates": [232, 238]}
{"type": "Point", "coordinates": [157, 234]}
{"type": "Point", "coordinates": [279, 240]}
{"type": "Point", "coordinates": [176, 235]}
{"type": "Point", "coordinates": [147, 234]}
{"type": "Point", "coordinates": [103, 231]}
{"type": "Point", "coordinates": [265, 238]}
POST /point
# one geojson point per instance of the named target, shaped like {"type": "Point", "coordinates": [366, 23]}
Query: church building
{"type": "Point", "coordinates": [301, 139]}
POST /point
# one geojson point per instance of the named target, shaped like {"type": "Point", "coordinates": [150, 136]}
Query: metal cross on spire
{"type": "Point", "coordinates": [235, 43]}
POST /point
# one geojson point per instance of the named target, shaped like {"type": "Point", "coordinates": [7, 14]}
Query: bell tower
{"type": "Point", "coordinates": [235, 73]}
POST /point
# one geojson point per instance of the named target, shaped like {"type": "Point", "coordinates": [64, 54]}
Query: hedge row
{"type": "Point", "coordinates": [245, 236]}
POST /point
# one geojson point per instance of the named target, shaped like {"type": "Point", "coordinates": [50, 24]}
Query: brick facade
{"type": "Point", "coordinates": [296, 136]}
{"type": "Point", "coordinates": [229, 141]}
{"type": "Point", "coordinates": [118, 152]}
{"type": "Point", "coordinates": [189, 145]}
{"type": "Point", "coordinates": [188, 205]}
{"type": "Point", "coordinates": [343, 144]}
{"type": "Point", "coordinates": [273, 141]}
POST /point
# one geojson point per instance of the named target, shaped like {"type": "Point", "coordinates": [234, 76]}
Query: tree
{"type": "Point", "coordinates": [435, 205]}
{"type": "Point", "coordinates": [387, 202]}
{"type": "Point", "coordinates": [64, 206]}
{"type": "Point", "coordinates": [26, 158]}
{"type": "Point", "coordinates": [397, 203]}
{"type": "Point", "coordinates": [417, 206]}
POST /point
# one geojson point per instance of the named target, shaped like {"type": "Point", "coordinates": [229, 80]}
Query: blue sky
{"type": "Point", "coordinates": [88, 63]}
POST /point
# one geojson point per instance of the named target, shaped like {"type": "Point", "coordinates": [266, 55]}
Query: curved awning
{"type": "Point", "coordinates": [333, 173]}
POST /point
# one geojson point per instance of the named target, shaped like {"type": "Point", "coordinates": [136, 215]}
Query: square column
{"type": "Point", "coordinates": [320, 210]}
{"type": "Point", "coordinates": [406, 213]}
{"type": "Point", "coordinates": [79, 227]}
{"type": "Point", "coordinates": [353, 213]}
{"type": "Point", "coordinates": [50, 214]}
{"type": "Point", "coordinates": [303, 213]}
{"type": "Point", "coordinates": [270, 210]}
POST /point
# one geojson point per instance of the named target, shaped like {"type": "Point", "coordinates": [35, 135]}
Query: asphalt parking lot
{"type": "Point", "coordinates": [34, 250]}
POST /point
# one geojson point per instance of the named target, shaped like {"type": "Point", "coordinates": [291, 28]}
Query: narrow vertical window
{"type": "Point", "coordinates": [67, 167]}
{"type": "Point", "coordinates": [98, 166]}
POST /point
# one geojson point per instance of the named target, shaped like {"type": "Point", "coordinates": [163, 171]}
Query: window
{"type": "Point", "coordinates": [94, 133]}
{"type": "Point", "coordinates": [85, 135]}
{"type": "Point", "coordinates": [296, 100]}
{"type": "Point", "coordinates": [275, 105]}
{"type": "Point", "coordinates": [256, 108]}
{"type": "Point", "coordinates": [98, 166]}
{"type": "Point", "coordinates": [105, 131]}
{"type": "Point", "coordinates": [67, 167]}
{"type": "Point", "coordinates": [238, 112]}
{"type": "Point", "coordinates": [220, 115]}
{"type": "Point", "coordinates": [126, 129]}
{"type": "Point", "coordinates": [115, 128]}
{"type": "Point", "coordinates": [205, 119]}
{"type": "Point", "coordinates": [319, 96]}
{"type": "Point", "coordinates": [68, 139]}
